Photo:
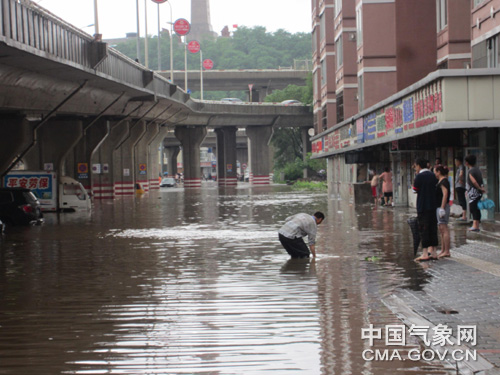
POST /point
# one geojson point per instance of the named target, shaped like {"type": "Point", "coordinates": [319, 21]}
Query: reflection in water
{"type": "Point", "coordinates": [192, 282]}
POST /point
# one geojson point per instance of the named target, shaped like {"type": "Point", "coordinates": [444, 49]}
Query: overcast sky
{"type": "Point", "coordinates": [117, 17]}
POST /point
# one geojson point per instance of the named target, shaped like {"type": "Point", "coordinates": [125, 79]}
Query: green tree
{"type": "Point", "coordinates": [287, 142]}
{"type": "Point", "coordinates": [248, 48]}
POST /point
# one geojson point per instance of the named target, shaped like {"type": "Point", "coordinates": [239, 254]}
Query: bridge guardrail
{"type": "Point", "coordinates": [28, 23]}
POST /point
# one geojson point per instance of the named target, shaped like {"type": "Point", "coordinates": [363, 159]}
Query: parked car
{"type": "Point", "coordinates": [168, 182]}
{"type": "Point", "coordinates": [19, 206]}
{"type": "Point", "coordinates": [291, 102]}
{"type": "Point", "coordinates": [231, 100]}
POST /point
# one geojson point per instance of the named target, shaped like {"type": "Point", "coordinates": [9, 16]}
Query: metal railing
{"type": "Point", "coordinates": [27, 23]}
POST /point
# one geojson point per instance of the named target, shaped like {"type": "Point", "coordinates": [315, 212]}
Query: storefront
{"type": "Point", "coordinates": [449, 113]}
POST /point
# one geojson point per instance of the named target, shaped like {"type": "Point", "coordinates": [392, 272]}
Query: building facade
{"type": "Point", "coordinates": [410, 79]}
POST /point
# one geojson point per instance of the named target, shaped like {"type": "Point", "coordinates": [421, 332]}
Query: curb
{"type": "Point", "coordinates": [409, 317]}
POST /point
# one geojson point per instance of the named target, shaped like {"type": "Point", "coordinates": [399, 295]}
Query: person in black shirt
{"type": "Point", "coordinates": [460, 186]}
{"type": "Point", "coordinates": [425, 187]}
{"type": "Point", "coordinates": [443, 208]}
{"type": "Point", "coordinates": [475, 190]}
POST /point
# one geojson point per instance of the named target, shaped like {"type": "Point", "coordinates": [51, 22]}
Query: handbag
{"type": "Point", "coordinates": [485, 204]}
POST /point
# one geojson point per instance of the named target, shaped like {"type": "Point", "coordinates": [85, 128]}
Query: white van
{"type": "Point", "coordinates": [64, 194]}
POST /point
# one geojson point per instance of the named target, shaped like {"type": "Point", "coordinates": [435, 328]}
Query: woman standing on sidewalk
{"type": "Point", "coordinates": [443, 208]}
{"type": "Point", "coordinates": [475, 190]}
{"type": "Point", "coordinates": [460, 186]}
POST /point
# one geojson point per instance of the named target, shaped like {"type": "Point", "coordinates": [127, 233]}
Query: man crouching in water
{"type": "Point", "coordinates": [296, 227]}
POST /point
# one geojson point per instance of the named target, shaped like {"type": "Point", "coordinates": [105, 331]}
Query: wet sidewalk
{"type": "Point", "coordinates": [463, 290]}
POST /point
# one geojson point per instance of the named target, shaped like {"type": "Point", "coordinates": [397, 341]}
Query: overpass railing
{"type": "Point", "coordinates": [26, 22]}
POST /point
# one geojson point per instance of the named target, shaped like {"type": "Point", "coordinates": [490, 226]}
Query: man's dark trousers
{"type": "Point", "coordinates": [295, 247]}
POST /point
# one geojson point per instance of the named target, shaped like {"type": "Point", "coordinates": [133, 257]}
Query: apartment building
{"type": "Point", "coordinates": [400, 78]}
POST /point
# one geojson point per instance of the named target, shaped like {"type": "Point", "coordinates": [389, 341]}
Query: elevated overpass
{"type": "Point", "coordinates": [67, 100]}
{"type": "Point", "coordinates": [262, 81]}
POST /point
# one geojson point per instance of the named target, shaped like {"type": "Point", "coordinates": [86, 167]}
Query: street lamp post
{"type": "Point", "coordinates": [146, 51]}
{"type": "Point", "coordinates": [185, 65]}
{"type": "Point", "coordinates": [158, 2]}
{"type": "Point", "coordinates": [171, 46]}
{"type": "Point", "coordinates": [138, 34]}
{"type": "Point", "coordinates": [201, 74]}
{"type": "Point", "coordinates": [182, 27]}
{"type": "Point", "coordinates": [96, 20]}
{"type": "Point", "coordinates": [159, 45]}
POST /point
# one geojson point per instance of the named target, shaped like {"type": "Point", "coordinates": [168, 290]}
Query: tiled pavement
{"type": "Point", "coordinates": [463, 290]}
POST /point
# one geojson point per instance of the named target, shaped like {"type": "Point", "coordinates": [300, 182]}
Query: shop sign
{"type": "Point", "coordinates": [420, 108]}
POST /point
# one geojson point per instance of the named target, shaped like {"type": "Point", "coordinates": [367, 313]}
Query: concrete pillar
{"type": "Point", "coordinates": [230, 155]}
{"type": "Point", "coordinates": [226, 156]}
{"type": "Point", "coordinates": [155, 150]}
{"type": "Point", "coordinates": [143, 170]}
{"type": "Point", "coordinates": [191, 139]}
{"type": "Point", "coordinates": [221, 175]}
{"type": "Point", "coordinates": [16, 134]}
{"type": "Point", "coordinates": [172, 153]}
{"type": "Point", "coordinates": [78, 161]}
{"type": "Point", "coordinates": [259, 154]}
{"type": "Point", "coordinates": [257, 95]}
{"type": "Point", "coordinates": [102, 166]}
{"type": "Point", "coordinates": [55, 139]}
{"type": "Point", "coordinates": [123, 161]}
{"type": "Point", "coordinates": [242, 157]}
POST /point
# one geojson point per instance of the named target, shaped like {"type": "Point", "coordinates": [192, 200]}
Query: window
{"type": "Point", "coordinates": [340, 107]}
{"type": "Point", "coordinates": [359, 27]}
{"type": "Point", "coordinates": [339, 52]}
{"type": "Point", "coordinates": [316, 94]}
{"type": "Point", "coordinates": [492, 52]}
{"type": "Point", "coordinates": [361, 94]}
{"type": "Point", "coordinates": [314, 41]}
{"type": "Point", "coordinates": [323, 72]}
{"type": "Point", "coordinates": [441, 14]}
{"type": "Point", "coordinates": [324, 121]}
{"type": "Point", "coordinates": [338, 7]}
{"type": "Point", "coordinates": [477, 2]}
{"type": "Point", "coordinates": [443, 65]}
{"type": "Point", "coordinates": [322, 27]}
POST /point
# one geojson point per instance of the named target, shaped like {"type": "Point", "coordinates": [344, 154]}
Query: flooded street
{"type": "Point", "coordinates": [196, 282]}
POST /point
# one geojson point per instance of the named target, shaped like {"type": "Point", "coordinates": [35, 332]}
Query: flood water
{"type": "Point", "coordinates": [196, 282]}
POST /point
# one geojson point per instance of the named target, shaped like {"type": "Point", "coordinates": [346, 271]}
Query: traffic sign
{"type": "Point", "coordinates": [159, 1]}
{"type": "Point", "coordinates": [208, 64]}
{"type": "Point", "coordinates": [83, 168]}
{"type": "Point", "coordinates": [182, 27]}
{"type": "Point", "coordinates": [194, 46]}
